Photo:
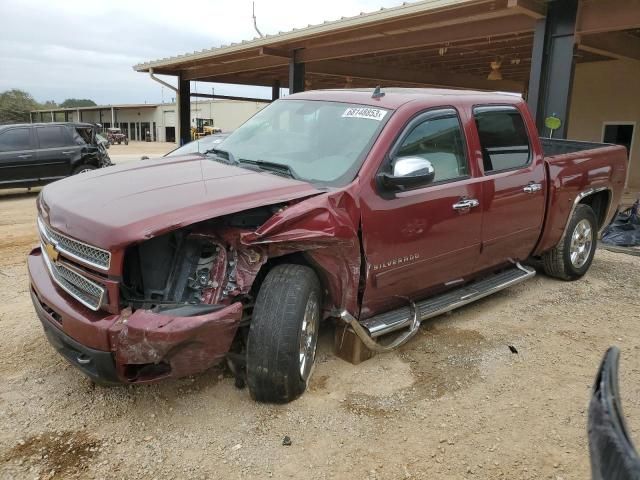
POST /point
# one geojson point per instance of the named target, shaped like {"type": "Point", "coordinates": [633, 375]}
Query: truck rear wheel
{"type": "Point", "coordinates": [572, 257]}
{"type": "Point", "coordinates": [283, 335]}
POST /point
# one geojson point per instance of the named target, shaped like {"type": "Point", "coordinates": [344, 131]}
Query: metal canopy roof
{"type": "Point", "coordinates": [428, 43]}
{"type": "Point", "coordinates": [431, 42]}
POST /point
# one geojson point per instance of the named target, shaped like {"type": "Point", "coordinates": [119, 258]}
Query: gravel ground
{"type": "Point", "coordinates": [132, 152]}
{"type": "Point", "coordinates": [453, 403]}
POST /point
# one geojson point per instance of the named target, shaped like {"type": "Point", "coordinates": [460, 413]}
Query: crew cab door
{"type": "Point", "coordinates": [56, 150]}
{"type": "Point", "coordinates": [423, 237]}
{"type": "Point", "coordinates": [514, 187]}
{"type": "Point", "coordinates": [17, 156]}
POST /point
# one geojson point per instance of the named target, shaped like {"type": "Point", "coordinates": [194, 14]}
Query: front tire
{"type": "Point", "coordinates": [83, 169]}
{"type": "Point", "coordinates": [572, 257]}
{"type": "Point", "coordinates": [283, 334]}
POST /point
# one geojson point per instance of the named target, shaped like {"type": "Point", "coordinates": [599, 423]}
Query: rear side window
{"type": "Point", "coordinates": [52, 137]}
{"type": "Point", "coordinates": [440, 141]}
{"type": "Point", "coordinates": [15, 139]}
{"type": "Point", "coordinates": [503, 138]}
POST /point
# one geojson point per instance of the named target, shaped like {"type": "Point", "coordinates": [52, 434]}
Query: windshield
{"type": "Point", "coordinates": [198, 146]}
{"type": "Point", "coordinates": [317, 141]}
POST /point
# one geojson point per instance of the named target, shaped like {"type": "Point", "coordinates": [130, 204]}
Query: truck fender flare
{"type": "Point", "coordinates": [579, 199]}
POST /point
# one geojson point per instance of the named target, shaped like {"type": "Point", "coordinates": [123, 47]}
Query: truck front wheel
{"type": "Point", "coordinates": [283, 335]}
{"type": "Point", "coordinates": [572, 257]}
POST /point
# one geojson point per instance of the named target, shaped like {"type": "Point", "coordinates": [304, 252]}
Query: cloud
{"type": "Point", "coordinates": [56, 50]}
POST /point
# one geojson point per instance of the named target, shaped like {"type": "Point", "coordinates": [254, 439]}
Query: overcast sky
{"type": "Point", "coordinates": [58, 49]}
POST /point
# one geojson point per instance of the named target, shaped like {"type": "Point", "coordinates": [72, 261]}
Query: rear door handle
{"type": "Point", "coordinates": [67, 153]}
{"type": "Point", "coordinates": [532, 187]}
{"type": "Point", "coordinates": [466, 204]}
{"type": "Point", "coordinates": [25, 156]}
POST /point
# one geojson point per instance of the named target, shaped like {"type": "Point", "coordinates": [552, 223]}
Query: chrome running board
{"type": "Point", "coordinates": [410, 317]}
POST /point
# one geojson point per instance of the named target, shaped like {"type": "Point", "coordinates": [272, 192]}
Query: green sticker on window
{"type": "Point", "coordinates": [552, 122]}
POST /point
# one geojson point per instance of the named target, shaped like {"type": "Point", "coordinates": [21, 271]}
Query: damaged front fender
{"type": "Point", "coordinates": [325, 228]}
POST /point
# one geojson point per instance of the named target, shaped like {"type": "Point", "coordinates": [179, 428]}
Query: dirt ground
{"type": "Point", "coordinates": [453, 403]}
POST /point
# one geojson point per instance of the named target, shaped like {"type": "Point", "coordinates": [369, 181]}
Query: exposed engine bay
{"type": "Point", "coordinates": [196, 269]}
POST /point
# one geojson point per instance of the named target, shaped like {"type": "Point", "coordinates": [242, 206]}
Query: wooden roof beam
{"type": "Point", "coordinates": [275, 52]}
{"type": "Point", "coordinates": [429, 77]}
{"type": "Point", "coordinates": [456, 13]}
{"type": "Point", "coordinates": [530, 8]}
{"type": "Point", "coordinates": [398, 42]}
{"type": "Point", "coordinates": [259, 63]}
{"type": "Point", "coordinates": [617, 45]}
{"type": "Point", "coordinates": [596, 16]}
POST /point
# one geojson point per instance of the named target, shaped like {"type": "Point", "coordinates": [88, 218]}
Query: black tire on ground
{"type": "Point", "coordinates": [289, 295]}
{"type": "Point", "coordinates": [83, 168]}
{"type": "Point", "coordinates": [557, 262]}
{"type": "Point", "coordinates": [126, 142]}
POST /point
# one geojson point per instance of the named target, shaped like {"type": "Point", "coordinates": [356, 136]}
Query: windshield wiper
{"type": "Point", "coordinates": [272, 167]}
{"type": "Point", "coordinates": [222, 154]}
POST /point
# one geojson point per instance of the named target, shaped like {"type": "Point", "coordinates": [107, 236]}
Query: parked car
{"type": "Point", "coordinates": [115, 135]}
{"type": "Point", "coordinates": [378, 210]}
{"type": "Point", "coordinates": [40, 153]}
{"type": "Point", "coordinates": [200, 146]}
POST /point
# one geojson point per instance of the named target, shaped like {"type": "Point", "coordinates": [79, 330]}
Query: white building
{"type": "Point", "coordinates": [154, 121]}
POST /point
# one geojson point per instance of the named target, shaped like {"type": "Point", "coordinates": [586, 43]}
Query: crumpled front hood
{"type": "Point", "coordinates": [116, 206]}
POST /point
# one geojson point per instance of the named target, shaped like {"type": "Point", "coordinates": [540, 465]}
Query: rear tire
{"type": "Point", "coordinates": [283, 334]}
{"type": "Point", "coordinates": [573, 255]}
{"type": "Point", "coordinates": [83, 169]}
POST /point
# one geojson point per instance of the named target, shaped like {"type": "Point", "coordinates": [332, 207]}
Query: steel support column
{"type": "Point", "coordinates": [275, 90]}
{"type": "Point", "coordinates": [296, 75]}
{"type": "Point", "coordinates": [184, 111]}
{"type": "Point", "coordinates": [552, 65]}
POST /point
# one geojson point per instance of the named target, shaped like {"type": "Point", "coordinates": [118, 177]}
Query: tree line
{"type": "Point", "coordinates": [15, 105]}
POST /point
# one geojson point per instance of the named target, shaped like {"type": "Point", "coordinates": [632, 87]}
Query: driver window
{"type": "Point", "coordinates": [440, 141]}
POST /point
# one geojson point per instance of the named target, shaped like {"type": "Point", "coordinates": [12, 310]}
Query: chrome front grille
{"type": "Point", "coordinates": [93, 256]}
{"type": "Point", "coordinates": [89, 293]}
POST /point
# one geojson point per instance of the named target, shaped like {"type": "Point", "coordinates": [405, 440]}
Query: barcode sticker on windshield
{"type": "Point", "coordinates": [364, 112]}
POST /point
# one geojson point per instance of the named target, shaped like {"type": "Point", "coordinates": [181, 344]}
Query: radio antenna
{"type": "Point", "coordinates": [255, 23]}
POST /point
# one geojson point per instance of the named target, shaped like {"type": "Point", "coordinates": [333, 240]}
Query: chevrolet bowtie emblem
{"type": "Point", "coordinates": [51, 251]}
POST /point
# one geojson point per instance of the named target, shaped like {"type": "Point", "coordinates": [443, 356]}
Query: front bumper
{"type": "Point", "coordinates": [137, 347]}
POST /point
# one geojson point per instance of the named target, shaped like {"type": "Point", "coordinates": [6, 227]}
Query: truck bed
{"type": "Point", "coordinates": [574, 169]}
{"type": "Point", "coordinates": [555, 146]}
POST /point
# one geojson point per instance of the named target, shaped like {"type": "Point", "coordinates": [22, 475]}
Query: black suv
{"type": "Point", "coordinates": [39, 153]}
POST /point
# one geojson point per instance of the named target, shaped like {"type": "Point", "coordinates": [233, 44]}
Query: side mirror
{"type": "Point", "coordinates": [408, 172]}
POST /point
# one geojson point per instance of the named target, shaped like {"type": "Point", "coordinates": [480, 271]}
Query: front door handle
{"type": "Point", "coordinates": [466, 204]}
{"type": "Point", "coordinates": [532, 188]}
{"type": "Point", "coordinates": [67, 153]}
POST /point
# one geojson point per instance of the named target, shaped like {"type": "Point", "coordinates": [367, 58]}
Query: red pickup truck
{"type": "Point", "coordinates": [378, 210]}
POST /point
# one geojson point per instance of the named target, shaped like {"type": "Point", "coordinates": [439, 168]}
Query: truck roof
{"type": "Point", "coordinates": [395, 97]}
